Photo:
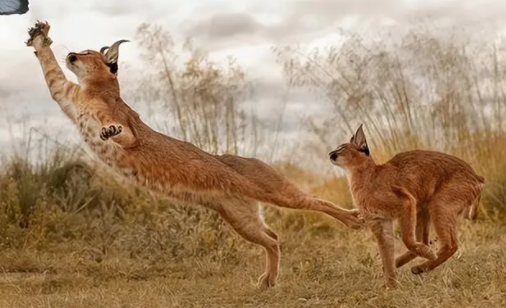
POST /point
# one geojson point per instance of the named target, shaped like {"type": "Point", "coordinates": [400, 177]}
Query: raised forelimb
{"type": "Point", "coordinates": [120, 134]}
{"type": "Point", "coordinates": [111, 131]}
{"type": "Point", "coordinates": [63, 91]}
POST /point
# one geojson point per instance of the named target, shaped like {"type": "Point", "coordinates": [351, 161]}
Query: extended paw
{"type": "Point", "coordinates": [111, 131]}
{"type": "Point", "coordinates": [356, 220]}
{"type": "Point", "coordinates": [356, 213]}
{"type": "Point", "coordinates": [38, 35]}
{"type": "Point", "coordinates": [355, 224]}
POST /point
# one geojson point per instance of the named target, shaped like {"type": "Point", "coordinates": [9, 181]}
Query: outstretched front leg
{"type": "Point", "coordinates": [63, 91]}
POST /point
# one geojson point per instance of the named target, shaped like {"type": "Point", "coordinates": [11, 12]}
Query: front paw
{"type": "Point", "coordinates": [111, 131]}
{"type": "Point", "coordinates": [38, 35]}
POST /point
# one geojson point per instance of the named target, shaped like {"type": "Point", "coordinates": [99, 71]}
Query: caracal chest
{"type": "Point", "coordinates": [373, 201]}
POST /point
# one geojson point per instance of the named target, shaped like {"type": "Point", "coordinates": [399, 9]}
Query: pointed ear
{"type": "Point", "coordinates": [112, 54]}
{"type": "Point", "coordinates": [359, 140]}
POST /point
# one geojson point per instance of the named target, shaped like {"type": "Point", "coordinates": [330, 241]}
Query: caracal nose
{"type": "Point", "coordinates": [333, 155]}
{"type": "Point", "coordinates": [72, 57]}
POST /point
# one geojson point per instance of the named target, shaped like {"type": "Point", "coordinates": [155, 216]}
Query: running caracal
{"type": "Point", "coordinates": [415, 188]}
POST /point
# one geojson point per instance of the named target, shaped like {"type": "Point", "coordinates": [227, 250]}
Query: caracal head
{"type": "Point", "coordinates": [89, 63]}
{"type": "Point", "coordinates": [352, 154]}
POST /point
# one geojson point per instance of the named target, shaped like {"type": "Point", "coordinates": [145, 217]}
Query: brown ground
{"type": "Point", "coordinates": [320, 268]}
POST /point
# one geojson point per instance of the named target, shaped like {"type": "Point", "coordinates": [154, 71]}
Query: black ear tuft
{"type": "Point", "coordinates": [365, 150]}
{"type": "Point", "coordinates": [113, 67]}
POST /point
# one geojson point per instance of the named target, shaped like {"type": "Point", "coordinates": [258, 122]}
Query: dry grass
{"type": "Point", "coordinates": [327, 269]}
{"type": "Point", "coordinates": [105, 246]}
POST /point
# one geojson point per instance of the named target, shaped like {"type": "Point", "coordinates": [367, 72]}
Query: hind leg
{"type": "Point", "coordinates": [407, 221]}
{"type": "Point", "coordinates": [294, 199]}
{"type": "Point", "coordinates": [268, 278]}
{"type": "Point", "coordinates": [245, 218]}
{"type": "Point", "coordinates": [444, 223]}
{"type": "Point", "coordinates": [422, 234]}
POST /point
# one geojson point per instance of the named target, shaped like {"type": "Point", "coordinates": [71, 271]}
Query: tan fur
{"type": "Point", "coordinates": [229, 184]}
{"type": "Point", "coordinates": [414, 188]}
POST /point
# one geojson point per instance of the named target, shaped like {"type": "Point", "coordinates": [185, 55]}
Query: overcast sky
{"type": "Point", "coordinates": [246, 29]}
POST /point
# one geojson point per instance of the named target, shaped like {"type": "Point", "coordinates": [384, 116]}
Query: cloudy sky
{"type": "Point", "coordinates": [246, 29]}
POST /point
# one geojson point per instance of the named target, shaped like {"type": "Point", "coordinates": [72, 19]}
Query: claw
{"type": "Point", "coordinates": [40, 29]}
{"type": "Point", "coordinates": [111, 131]}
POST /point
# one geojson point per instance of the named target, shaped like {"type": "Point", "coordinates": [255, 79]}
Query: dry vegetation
{"type": "Point", "coordinates": [72, 236]}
